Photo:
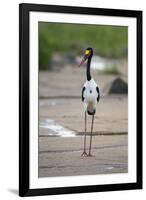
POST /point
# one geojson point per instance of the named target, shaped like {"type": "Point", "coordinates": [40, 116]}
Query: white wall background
{"type": "Point", "coordinates": [9, 97]}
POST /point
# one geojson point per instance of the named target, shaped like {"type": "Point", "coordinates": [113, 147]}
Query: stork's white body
{"type": "Point", "coordinates": [90, 96]}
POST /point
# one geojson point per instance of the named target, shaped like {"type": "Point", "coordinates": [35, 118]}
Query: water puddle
{"type": "Point", "coordinates": [48, 127]}
{"type": "Point", "coordinates": [47, 103]}
{"type": "Point", "coordinates": [109, 168]}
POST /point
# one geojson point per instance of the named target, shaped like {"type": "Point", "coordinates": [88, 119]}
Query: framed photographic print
{"type": "Point", "coordinates": [80, 99]}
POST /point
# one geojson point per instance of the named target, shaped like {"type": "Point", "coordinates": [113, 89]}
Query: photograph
{"type": "Point", "coordinates": [83, 99]}
{"type": "Point", "coordinates": [80, 99]}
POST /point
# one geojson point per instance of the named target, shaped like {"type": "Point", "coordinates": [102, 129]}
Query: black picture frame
{"type": "Point", "coordinates": [24, 174]}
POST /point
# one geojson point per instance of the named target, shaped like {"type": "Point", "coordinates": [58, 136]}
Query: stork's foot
{"type": "Point", "coordinates": [90, 155]}
{"type": "Point", "coordinates": [84, 154]}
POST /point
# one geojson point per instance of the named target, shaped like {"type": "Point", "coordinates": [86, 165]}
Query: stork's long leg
{"type": "Point", "coordinates": [84, 152]}
{"type": "Point", "coordinates": [85, 132]}
{"type": "Point", "coordinates": [91, 136]}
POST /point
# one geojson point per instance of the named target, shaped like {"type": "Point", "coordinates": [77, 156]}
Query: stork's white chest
{"type": "Point", "coordinates": [90, 93]}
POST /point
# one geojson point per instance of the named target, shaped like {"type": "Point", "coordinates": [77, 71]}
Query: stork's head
{"type": "Point", "coordinates": [88, 53]}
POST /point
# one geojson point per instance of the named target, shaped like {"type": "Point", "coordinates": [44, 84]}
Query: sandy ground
{"type": "Point", "coordinates": [62, 156]}
{"type": "Point", "coordinates": [60, 101]}
{"type": "Point", "coordinates": [111, 115]}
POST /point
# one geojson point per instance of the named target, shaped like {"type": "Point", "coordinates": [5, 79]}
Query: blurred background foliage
{"type": "Point", "coordinates": [107, 41]}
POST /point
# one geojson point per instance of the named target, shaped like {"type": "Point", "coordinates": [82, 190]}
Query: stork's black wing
{"type": "Point", "coordinates": [98, 98]}
{"type": "Point", "coordinates": [83, 93]}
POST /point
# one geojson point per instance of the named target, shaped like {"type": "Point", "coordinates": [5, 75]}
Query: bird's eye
{"type": "Point", "coordinates": [87, 52]}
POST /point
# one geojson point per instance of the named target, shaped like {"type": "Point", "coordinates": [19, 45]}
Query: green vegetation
{"type": "Point", "coordinates": [107, 41]}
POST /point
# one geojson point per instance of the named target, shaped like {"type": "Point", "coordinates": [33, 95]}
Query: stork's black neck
{"type": "Point", "coordinates": [88, 68]}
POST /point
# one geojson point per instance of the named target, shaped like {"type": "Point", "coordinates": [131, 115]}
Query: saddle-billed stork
{"type": "Point", "coordinates": [90, 97]}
